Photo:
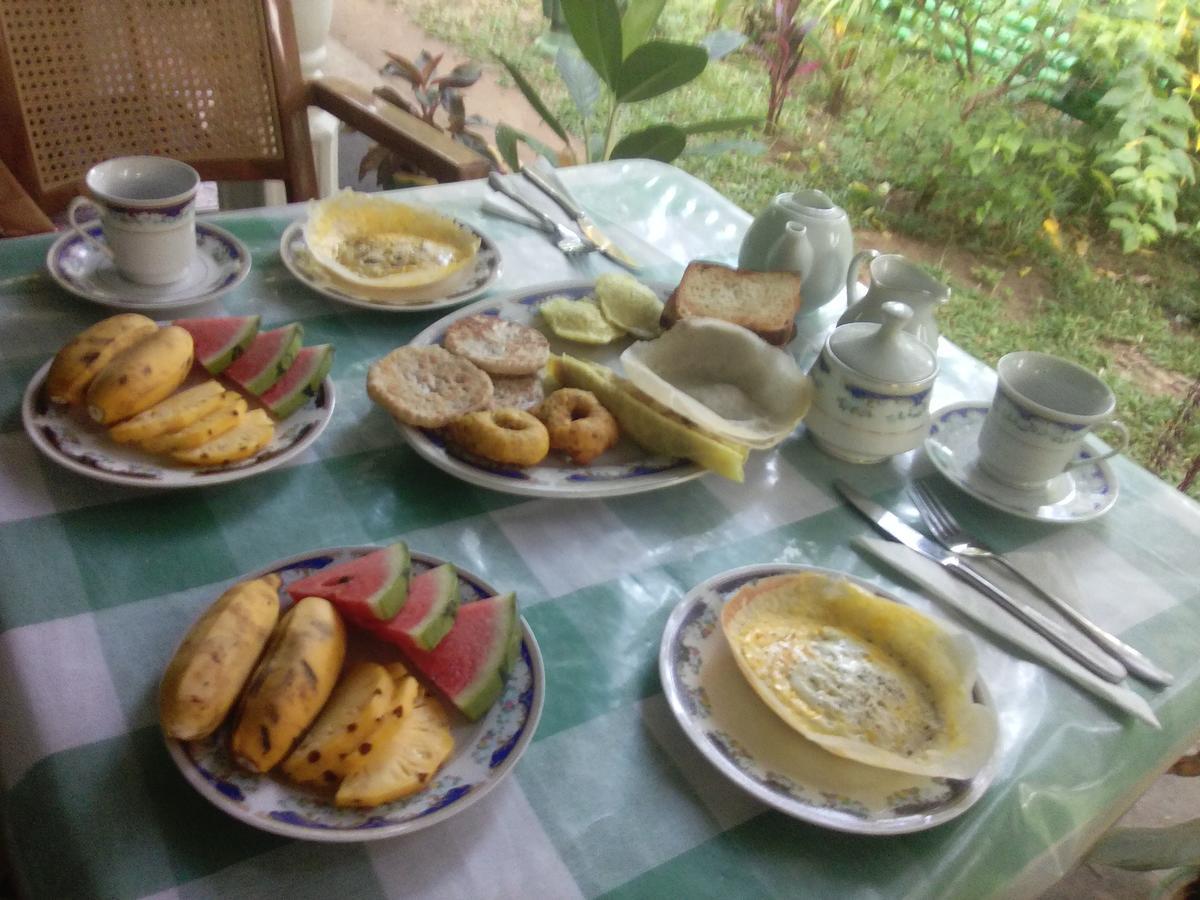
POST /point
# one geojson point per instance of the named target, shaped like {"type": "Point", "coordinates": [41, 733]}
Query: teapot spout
{"type": "Point", "coordinates": [792, 252]}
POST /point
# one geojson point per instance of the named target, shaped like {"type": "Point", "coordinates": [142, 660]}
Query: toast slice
{"type": "Point", "coordinates": [764, 302]}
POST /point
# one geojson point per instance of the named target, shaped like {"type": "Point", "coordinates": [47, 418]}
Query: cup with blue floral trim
{"type": "Point", "coordinates": [1043, 409]}
{"type": "Point", "coordinates": [147, 211]}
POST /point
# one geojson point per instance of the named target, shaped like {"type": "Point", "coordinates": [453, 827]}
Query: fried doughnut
{"type": "Point", "coordinates": [578, 425]}
{"type": "Point", "coordinates": [509, 436]}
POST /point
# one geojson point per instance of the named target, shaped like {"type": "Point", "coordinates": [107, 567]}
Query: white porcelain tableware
{"type": "Point", "coordinates": [756, 750]}
{"type": "Point", "coordinates": [66, 436]}
{"type": "Point", "coordinates": [460, 287]}
{"type": "Point", "coordinates": [221, 262]}
{"type": "Point", "coordinates": [892, 278]}
{"type": "Point", "coordinates": [1043, 409]}
{"type": "Point", "coordinates": [871, 388]}
{"type": "Point", "coordinates": [147, 210]}
{"type": "Point", "coordinates": [625, 469]}
{"type": "Point", "coordinates": [818, 245]}
{"type": "Point", "coordinates": [1077, 495]}
{"type": "Point", "coordinates": [484, 751]}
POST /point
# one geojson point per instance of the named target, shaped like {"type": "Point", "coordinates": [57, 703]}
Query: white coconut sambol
{"type": "Point", "coordinates": [377, 243]}
{"type": "Point", "coordinates": [865, 677]}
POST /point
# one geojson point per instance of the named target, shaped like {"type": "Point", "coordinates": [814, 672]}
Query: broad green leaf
{"type": "Point", "coordinates": [534, 100]}
{"type": "Point", "coordinates": [580, 78]}
{"type": "Point", "coordinates": [506, 143]}
{"type": "Point", "coordinates": [720, 44]}
{"type": "Point", "coordinates": [1145, 849]}
{"type": "Point", "coordinates": [1126, 173]}
{"type": "Point", "coordinates": [596, 27]}
{"type": "Point", "coordinates": [639, 19]}
{"type": "Point", "coordinates": [656, 67]}
{"type": "Point", "coordinates": [661, 142]}
{"type": "Point", "coordinates": [731, 124]}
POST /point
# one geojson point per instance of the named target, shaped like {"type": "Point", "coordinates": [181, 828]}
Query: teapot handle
{"type": "Point", "coordinates": [852, 274]}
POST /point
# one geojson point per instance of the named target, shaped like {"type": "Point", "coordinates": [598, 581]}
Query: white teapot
{"type": "Point", "coordinates": [871, 385]}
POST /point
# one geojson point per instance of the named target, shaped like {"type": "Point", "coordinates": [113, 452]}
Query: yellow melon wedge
{"type": "Point", "coordinates": [176, 412]}
{"type": "Point", "coordinates": [224, 418]}
{"type": "Point", "coordinates": [241, 442]}
{"type": "Point", "coordinates": [649, 424]}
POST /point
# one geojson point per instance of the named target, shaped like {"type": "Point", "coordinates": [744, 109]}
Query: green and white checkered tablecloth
{"type": "Point", "coordinates": [98, 583]}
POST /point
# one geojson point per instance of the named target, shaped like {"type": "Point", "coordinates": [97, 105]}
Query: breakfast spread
{"type": "Point", "coordinates": [864, 677]}
{"type": "Point", "coordinates": [360, 734]}
{"type": "Point", "coordinates": [139, 380]}
{"type": "Point", "coordinates": [377, 243]}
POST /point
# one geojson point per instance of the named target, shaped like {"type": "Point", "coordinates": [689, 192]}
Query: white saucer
{"type": "Point", "coordinates": [1076, 495]}
{"type": "Point", "coordinates": [458, 288]}
{"type": "Point", "coordinates": [220, 264]}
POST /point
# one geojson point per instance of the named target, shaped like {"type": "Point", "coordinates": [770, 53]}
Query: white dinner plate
{"type": "Point", "coordinates": [756, 750]}
{"type": "Point", "coordinates": [484, 751]}
{"type": "Point", "coordinates": [69, 438]}
{"type": "Point", "coordinates": [625, 469]}
{"type": "Point", "coordinates": [1077, 495]}
{"type": "Point", "coordinates": [220, 264]}
{"type": "Point", "coordinates": [460, 287]}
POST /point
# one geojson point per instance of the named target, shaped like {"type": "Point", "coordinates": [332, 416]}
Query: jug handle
{"type": "Point", "coordinates": [852, 274]}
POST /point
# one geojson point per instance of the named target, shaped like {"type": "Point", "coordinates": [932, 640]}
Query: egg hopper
{"type": "Point", "coordinates": [756, 750]}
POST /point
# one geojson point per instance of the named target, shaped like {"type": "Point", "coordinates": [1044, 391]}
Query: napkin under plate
{"type": "Point", "coordinates": [999, 624]}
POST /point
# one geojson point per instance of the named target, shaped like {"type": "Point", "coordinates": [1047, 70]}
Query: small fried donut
{"type": "Point", "coordinates": [578, 425]}
{"type": "Point", "coordinates": [509, 436]}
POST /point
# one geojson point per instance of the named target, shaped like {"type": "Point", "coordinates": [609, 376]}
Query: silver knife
{"type": "Point", "coordinates": [898, 530]}
{"type": "Point", "coordinates": [582, 221]}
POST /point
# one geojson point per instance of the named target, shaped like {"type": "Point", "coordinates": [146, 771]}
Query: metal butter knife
{"type": "Point", "coordinates": [582, 221]}
{"type": "Point", "coordinates": [898, 530]}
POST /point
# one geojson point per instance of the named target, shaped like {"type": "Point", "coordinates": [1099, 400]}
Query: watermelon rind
{"type": "Point", "coordinates": [299, 382]}
{"type": "Point", "coordinates": [377, 582]}
{"type": "Point", "coordinates": [238, 333]}
{"type": "Point", "coordinates": [256, 372]}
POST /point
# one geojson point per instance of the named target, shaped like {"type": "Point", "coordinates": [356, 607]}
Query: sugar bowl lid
{"type": "Point", "coordinates": [884, 352]}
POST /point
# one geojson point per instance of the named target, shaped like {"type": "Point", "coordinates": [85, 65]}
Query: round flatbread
{"type": "Point", "coordinates": [427, 387]}
{"type": "Point", "coordinates": [519, 391]}
{"type": "Point", "coordinates": [498, 346]}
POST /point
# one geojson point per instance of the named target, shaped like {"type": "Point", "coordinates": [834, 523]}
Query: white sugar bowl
{"type": "Point", "coordinates": [871, 389]}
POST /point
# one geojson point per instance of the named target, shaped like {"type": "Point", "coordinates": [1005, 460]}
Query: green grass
{"type": "Point", "coordinates": [1153, 303]}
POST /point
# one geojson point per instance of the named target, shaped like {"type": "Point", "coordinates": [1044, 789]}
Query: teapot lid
{"type": "Point", "coordinates": [884, 352]}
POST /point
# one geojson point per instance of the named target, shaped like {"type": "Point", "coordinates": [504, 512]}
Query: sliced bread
{"type": "Point", "coordinates": [764, 302]}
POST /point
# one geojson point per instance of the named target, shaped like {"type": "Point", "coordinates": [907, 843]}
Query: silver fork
{"type": "Point", "coordinates": [567, 241]}
{"type": "Point", "coordinates": [950, 534]}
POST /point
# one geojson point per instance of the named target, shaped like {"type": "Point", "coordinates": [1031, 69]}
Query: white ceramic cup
{"type": "Point", "coordinates": [147, 210]}
{"type": "Point", "coordinates": [1043, 409]}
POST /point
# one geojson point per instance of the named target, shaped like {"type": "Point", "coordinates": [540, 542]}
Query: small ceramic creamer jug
{"type": "Point", "coordinates": [871, 387]}
{"type": "Point", "coordinates": [767, 247]}
{"type": "Point", "coordinates": [894, 279]}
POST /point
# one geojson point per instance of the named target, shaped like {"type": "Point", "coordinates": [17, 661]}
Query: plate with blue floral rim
{"type": "Point", "coordinates": [220, 264]}
{"type": "Point", "coordinates": [756, 750]}
{"type": "Point", "coordinates": [485, 751]}
{"type": "Point", "coordinates": [1077, 495]}
{"type": "Point", "coordinates": [625, 469]}
{"type": "Point", "coordinates": [462, 286]}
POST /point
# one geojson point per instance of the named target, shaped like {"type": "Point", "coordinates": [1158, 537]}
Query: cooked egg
{"type": "Point", "coordinates": [865, 677]}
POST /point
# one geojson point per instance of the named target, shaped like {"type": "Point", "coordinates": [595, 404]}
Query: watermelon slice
{"type": "Point", "coordinates": [299, 382]}
{"type": "Point", "coordinates": [372, 585]}
{"type": "Point", "coordinates": [265, 360]}
{"type": "Point", "coordinates": [220, 341]}
{"type": "Point", "coordinates": [427, 615]}
{"type": "Point", "coordinates": [469, 664]}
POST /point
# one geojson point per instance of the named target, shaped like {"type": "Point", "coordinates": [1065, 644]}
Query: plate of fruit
{"type": "Point", "coordinates": [352, 694]}
{"type": "Point", "coordinates": [178, 404]}
{"type": "Point", "coordinates": [524, 395]}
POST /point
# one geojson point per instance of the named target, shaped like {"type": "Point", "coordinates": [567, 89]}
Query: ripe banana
{"type": "Point", "coordinates": [140, 376]}
{"type": "Point", "coordinates": [85, 356]}
{"type": "Point", "coordinates": [290, 685]}
{"type": "Point", "coordinates": [207, 672]}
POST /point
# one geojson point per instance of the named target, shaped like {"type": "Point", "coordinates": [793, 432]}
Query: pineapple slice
{"type": "Point", "coordinates": [252, 434]}
{"type": "Point", "coordinates": [405, 695]}
{"type": "Point", "coordinates": [176, 412]}
{"type": "Point", "coordinates": [213, 424]}
{"type": "Point", "coordinates": [354, 711]}
{"type": "Point", "coordinates": [405, 762]}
